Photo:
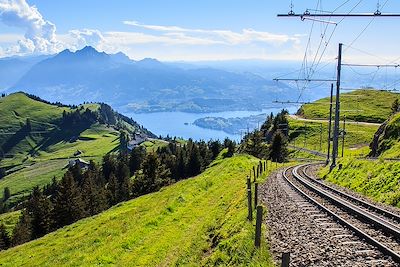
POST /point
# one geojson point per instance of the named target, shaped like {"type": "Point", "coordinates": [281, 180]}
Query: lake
{"type": "Point", "coordinates": [180, 124]}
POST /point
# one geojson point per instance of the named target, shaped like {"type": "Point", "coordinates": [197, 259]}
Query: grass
{"type": "Point", "coordinates": [94, 143]}
{"type": "Point", "coordinates": [153, 144]}
{"type": "Point", "coordinates": [16, 108]}
{"type": "Point", "coordinates": [308, 134]}
{"type": "Point", "coordinates": [27, 169]}
{"type": "Point", "coordinates": [361, 105]}
{"type": "Point", "coordinates": [10, 219]}
{"type": "Point", "coordinates": [195, 222]}
{"type": "Point", "coordinates": [378, 180]}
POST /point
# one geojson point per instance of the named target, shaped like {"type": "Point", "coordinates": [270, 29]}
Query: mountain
{"type": "Point", "coordinates": [13, 68]}
{"type": "Point", "coordinates": [146, 85]}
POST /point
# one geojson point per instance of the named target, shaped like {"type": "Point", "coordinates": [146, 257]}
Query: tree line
{"type": "Point", "coordinates": [270, 141]}
{"type": "Point", "coordinates": [82, 193]}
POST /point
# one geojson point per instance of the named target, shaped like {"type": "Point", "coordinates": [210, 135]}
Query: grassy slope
{"type": "Point", "coordinates": [375, 179]}
{"type": "Point", "coordinates": [16, 108]}
{"type": "Point", "coordinates": [375, 106]}
{"type": "Point", "coordinates": [389, 144]}
{"type": "Point", "coordinates": [357, 136]}
{"type": "Point", "coordinates": [94, 143]}
{"type": "Point", "coordinates": [29, 170]}
{"type": "Point", "coordinates": [200, 221]}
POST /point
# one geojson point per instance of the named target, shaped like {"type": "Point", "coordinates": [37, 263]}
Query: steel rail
{"type": "Point", "coordinates": [363, 203]}
{"type": "Point", "coordinates": [380, 223]}
{"type": "Point", "coordinates": [381, 247]}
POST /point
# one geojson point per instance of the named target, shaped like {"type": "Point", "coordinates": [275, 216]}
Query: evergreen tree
{"type": "Point", "coordinates": [123, 181]}
{"type": "Point", "coordinates": [136, 158]}
{"type": "Point", "coordinates": [6, 194]}
{"type": "Point", "coordinates": [22, 232]}
{"type": "Point", "coordinates": [69, 206]}
{"type": "Point", "coordinates": [205, 154]}
{"type": "Point", "coordinates": [395, 106]}
{"type": "Point", "coordinates": [28, 125]}
{"type": "Point", "coordinates": [40, 209]}
{"type": "Point", "coordinates": [113, 190]}
{"type": "Point", "coordinates": [94, 198]}
{"type": "Point", "coordinates": [5, 241]}
{"type": "Point", "coordinates": [194, 164]}
{"type": "Point", "coordinates": [278, 147]}
{"type": "Point", "coordinates": [231, 149]}
{"type": "Point", "coordinates": [215, 147]}
{"type": "Point", "coordinates": [181, 165]}
{"type": "Point", "coordinates": [109, 166]}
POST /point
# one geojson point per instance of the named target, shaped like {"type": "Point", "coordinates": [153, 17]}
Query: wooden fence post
{"type": "Point", "coordinates": [285, 259]}
{"type": "Point", "coordinates": [255, 195]}
{"type": "Point", "coordinates": [258, 171]}
{"type": "Point", "coordinates": [257, 240]}
{"type": "Point", "coordinates": [250, 209]}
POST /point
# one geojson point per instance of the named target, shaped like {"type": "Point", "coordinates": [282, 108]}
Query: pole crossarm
{"type": "Point", "coordinates": [372, 65]}
{"type": "Point", "coordinates": [311, 15]}
{"type": "Point", "coordinates": [290, 102]}
{"type": "Point", "coordinates": [306, 80]}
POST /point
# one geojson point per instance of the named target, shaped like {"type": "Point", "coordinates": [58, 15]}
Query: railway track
{"type": "Point", "coordinates": [372, 224]}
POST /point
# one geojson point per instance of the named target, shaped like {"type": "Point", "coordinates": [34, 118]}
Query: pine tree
{"type": "Point", "coordinates": [205, 153]}
{"type": "Point", "coordinates": [231, 149]}
{"type": "Point", "coordinates": [23, 231]}
{"type": "Point", "coordinates": [69, 206]}
{"type": "Point", "coordinates": [40, 209]}
{"type": "Point", "coordinates": [136, 158]}
{"type": "Point", "coordinates": [215, 147]}
{"type": "Point", "coordinates": [194, 162]}
{"type": "Point", "coordinates": [6, 194]}
{"type": "Point", "coordinates": [123, 181]}
{"type": "Point", "coordinates": [395, 106]}
{"type": "Point", "coordinates": [109, 166]}
{"type": "Point", "coordinates": [278, 147]}
{"type": "Point", "coordinates": [112, 190]}
{"type": "Point", "coordinates": [2, 171]}
{"type": "Point", "coordinates": [93, 196]}
{"type": "Point", "coordinates": [5, 241]}
{"type": "Point", "coordinates": [181, 165]}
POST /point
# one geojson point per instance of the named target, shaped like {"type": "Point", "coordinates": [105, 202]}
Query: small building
{"type": "Point", "coordinates": [81, 163]}
{"type": "Point", "coordinates": [77, 153]}
{"type": "Point", "coordinates": [136, 140]}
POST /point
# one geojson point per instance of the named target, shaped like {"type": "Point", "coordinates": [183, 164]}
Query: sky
{"type": "Point", "coordinates": [182, 30]}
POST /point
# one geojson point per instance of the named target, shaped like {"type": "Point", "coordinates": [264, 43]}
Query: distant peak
{"type": "Point", "coordinates": [87, 50]}
{"type": "Point", "coordinates": [150, 63]}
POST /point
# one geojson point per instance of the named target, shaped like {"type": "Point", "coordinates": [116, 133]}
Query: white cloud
{"type": "Point", "coordinates": [163, 42]}
{"type": "Point", "coordinates": [219, 36]}
{"type": "Point", "coordinates": [81, 38]}
{"type": "Point", "coordinates": [40, 34]}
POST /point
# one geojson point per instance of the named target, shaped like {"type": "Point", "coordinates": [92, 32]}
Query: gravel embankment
{"type": "Point", "coordinates": [312, 238]}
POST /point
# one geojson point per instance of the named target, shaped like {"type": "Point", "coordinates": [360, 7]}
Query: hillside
{"type": "Point", "coordinates": [386, 139]}
{"type": "Point", "coordinates": [358, 105]}
{"type": "Point", "coordinates": [196, 222]}
{"type": "Point", "coordinates": [377, 180]}
{"type": "Point", "coordinates": [38, 138]}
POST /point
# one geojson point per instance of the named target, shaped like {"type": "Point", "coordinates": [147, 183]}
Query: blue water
{"type": "Point", "coordinates": [180, 124]}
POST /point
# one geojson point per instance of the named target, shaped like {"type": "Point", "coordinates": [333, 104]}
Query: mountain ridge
{"type": "Point", "coordinates": [145, 86]}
